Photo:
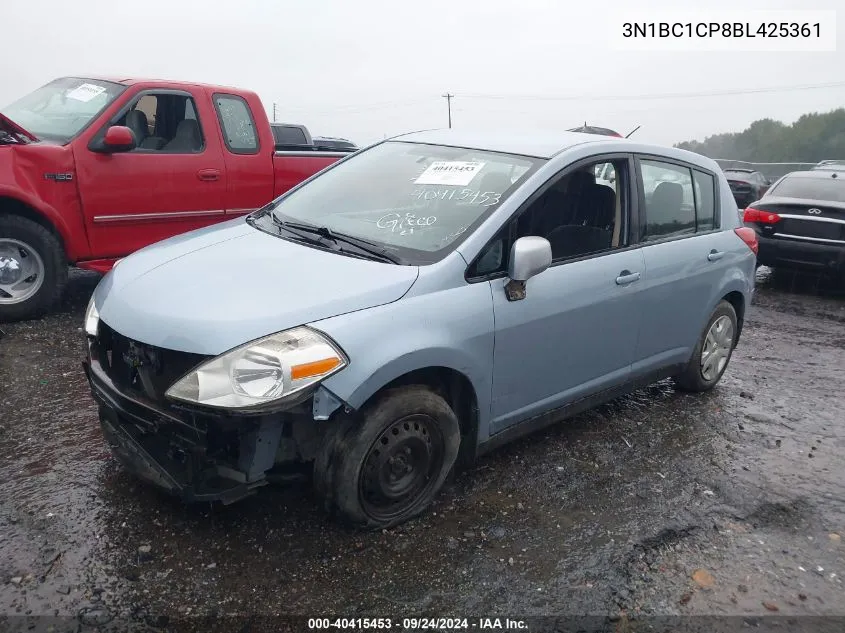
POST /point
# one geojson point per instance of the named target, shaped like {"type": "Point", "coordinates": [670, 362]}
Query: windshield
{"type": "Point", "coordinates": [62, 108]}
{"type": "Point", "coordinates": [415, 200]}
{"type": "Point", "coordinates": [832, 189]}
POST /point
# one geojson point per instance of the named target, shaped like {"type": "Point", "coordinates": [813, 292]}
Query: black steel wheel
{"type": "Point", "coordinates": [384, 467]}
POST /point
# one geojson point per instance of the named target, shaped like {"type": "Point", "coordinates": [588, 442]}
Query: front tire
{"type": "Point", "coordinates": [33, 269]}
{"type": "Point", "coordinates": [385, 467]}
{"type": "Point", "coordinates": [713, 351]}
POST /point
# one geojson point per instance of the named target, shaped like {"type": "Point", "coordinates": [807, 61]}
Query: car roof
{"type": "Point", "coordinates": [820, 174]}
{"type": "Point", "coordinates": [546, 144]}
{"type": "Point", "coordinates": [131, 81]}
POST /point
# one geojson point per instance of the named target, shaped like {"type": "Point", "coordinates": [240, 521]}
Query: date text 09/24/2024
{"type": "Point", "coordinates": [417, 624]}
{"type": "Point", "coordinates": [721, 29]}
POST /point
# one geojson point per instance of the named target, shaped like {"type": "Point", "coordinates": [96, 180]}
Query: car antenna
{"type": "Point", "coordinates": [628, 135]}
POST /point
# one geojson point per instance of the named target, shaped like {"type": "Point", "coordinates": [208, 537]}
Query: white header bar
{"type": "Point", "coordinates": [723, 30]}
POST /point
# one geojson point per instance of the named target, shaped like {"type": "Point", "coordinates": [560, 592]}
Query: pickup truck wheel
{"type": "Point", "coordinates": [33, 269]}
{"type": "Point", "coordinates": [385, 467]}
{"type": "Point", "coordinates": [713, 351]}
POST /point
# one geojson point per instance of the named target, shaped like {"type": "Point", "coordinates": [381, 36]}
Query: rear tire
{"type": "Point", "coordinates": [29, 247]}
{"type": "Point", "coordinates": [386, 466]}
{"type": "Point", "coordinates": [712, 353]}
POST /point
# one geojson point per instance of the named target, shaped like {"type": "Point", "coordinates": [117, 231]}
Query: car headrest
{"type": "Point", "coordinates": [136, 121]}
{"type": "Point", "coordinates": [668, 194]}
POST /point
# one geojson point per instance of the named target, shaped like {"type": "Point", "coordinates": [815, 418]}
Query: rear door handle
{"type": "Point", "coordinates": [208, 174]}
{"type": "Point", "coordinates": [714, 255]}
{"type": "Point", "coordinates": [627, 277]}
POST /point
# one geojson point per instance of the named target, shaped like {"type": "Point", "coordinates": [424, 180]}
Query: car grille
{"type": "Point", "coordinates": [145, 370]}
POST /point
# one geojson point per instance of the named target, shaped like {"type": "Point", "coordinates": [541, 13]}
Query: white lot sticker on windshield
{"type": "Point", "coordinates": [85, 92]}
{"type": "Point", "coordinates": [449, 172]}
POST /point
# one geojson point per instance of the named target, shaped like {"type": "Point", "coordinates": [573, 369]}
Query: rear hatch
{"type": "Point", "coordinates": [802, 219]}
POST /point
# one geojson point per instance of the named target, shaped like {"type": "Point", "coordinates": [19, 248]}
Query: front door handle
{"type": "Point", "coordinates": [627, 277]}
{"type": "Point", "coordinates": [208, 174]}
{"type": "Point", "coordinates": [714, 255]}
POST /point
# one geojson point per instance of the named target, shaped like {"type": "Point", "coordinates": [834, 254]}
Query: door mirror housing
{"type": "Point", "coordinates": [119, 138]}
{"type": "Point", "coordinates": [529, 257]}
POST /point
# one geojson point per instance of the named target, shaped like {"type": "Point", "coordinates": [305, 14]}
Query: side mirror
{"type": "Point", "coordinates": [529, 257]}
{"type": "Point", "coordinates": [119, 138]}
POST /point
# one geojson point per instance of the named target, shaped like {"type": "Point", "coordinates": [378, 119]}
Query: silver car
{"type": "Point", "coordinates": [409, 308]}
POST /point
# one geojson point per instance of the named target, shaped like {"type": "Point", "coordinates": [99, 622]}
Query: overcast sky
{"type": "Point", "coordinates": [364, 69]}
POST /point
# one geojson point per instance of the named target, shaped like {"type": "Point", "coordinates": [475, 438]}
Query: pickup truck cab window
{"type": "Point", "coordinates": [164, 122]}
{"type": "Point", "coordinates": [238, 127]}
{"type": "Point", "coordinates": [292, 135]}
{"type": "Point", "coordinates": [426, 199]}
{"type": "Point", "coordinates": [61, 109]}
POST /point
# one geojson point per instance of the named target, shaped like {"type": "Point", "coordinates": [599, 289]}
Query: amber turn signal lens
{"type": "Point", "coordinates": [316, 368]}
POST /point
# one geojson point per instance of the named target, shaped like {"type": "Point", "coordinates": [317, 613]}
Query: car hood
{"type": "Point", "coordinates": [208, 291]}
{"type": "Point", "coordinates": [10, 127]}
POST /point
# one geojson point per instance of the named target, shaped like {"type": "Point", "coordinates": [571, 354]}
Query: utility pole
{"type": "Point", "coordinates": [274, 112]}
{"type": "Point", "coordinates": [448, 98]}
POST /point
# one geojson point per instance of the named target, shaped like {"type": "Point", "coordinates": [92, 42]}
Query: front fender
{"type": "Point", "coordinates": [24, 181]}
{"type": "Point", "coordinates": [450, 328]}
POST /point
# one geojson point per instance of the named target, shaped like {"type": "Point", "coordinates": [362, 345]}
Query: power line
{"type": "Point", "coordinates": [676, 95]}
{"type": "Point", "coordinates": [448, 98]}
{"type": "Point", "coordinates": [362, 107]}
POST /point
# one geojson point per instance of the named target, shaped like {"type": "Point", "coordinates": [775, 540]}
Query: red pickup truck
{"type": "Point", "coordinates": [93, 169]}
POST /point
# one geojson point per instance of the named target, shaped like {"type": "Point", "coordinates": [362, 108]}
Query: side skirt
{"type": "Point", "coordinates": [544, 420]}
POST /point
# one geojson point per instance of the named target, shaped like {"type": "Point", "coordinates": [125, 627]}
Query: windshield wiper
{"type": "Point", "coordinates": [292, 229]}
{"type": "Point", "coordinates": [370, 248]}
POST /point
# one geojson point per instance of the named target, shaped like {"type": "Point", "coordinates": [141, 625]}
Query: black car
{"type": "Point", "coordinates": [746, 185]}
{"type": "Point", "coordinates": [800, 221]}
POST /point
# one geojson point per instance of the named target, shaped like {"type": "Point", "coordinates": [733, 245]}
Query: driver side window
{"type": "Point", "coordinates": [581, 213]}
{"type": "Point", "coordinates": [166, 123]}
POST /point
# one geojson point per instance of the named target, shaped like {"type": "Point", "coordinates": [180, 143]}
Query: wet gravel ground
{"type": "Point", "coordinates": [731, 502]}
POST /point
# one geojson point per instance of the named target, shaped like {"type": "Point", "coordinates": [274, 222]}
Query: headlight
{"type": "Point", "coordinates": [92, 318]}
{"type": "Point", "coordinates": [273, 368]}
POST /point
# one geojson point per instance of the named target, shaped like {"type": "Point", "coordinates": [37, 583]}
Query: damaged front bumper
{"type": "Point", "coordinates": [200, 456]}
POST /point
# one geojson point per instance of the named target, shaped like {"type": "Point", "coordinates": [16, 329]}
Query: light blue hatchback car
{"type": "Point", "coordinates": [411, 307]}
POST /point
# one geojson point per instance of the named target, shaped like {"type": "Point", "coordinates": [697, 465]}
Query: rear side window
{"type": "Point", "coordinates": [669, 200]}
{"type": "Point", "coordinates": [678, 200]}
{"type": "Point", "coordinates": [236, 121]}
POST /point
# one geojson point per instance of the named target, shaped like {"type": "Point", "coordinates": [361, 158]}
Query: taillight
{"type": "Point", "coordinates": [760, 216]}
{"type": "Point", "coordinates": [748, 236]}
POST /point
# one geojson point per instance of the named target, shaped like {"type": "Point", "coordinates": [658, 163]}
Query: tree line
{"type": "Point", "coordinates": [812, 138]}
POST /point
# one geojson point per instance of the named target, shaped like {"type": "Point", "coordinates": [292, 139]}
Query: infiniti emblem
{"type": "Point", "coordinates": [814, 211]}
